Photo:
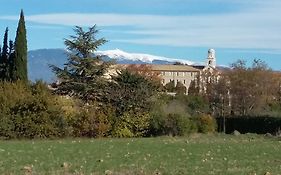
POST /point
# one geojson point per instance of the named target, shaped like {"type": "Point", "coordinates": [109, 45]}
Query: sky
{"type": "Point", "coordinates": [182, 29]}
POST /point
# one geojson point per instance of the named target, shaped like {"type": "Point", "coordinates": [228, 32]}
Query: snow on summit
{"type": "Point", "coordinates": [147, 58]}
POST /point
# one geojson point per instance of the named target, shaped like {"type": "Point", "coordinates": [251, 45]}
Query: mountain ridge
{"type": "Point", "coordinates": [40, 59]}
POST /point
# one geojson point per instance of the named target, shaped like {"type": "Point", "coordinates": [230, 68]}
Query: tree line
{"type": "Point", "coordinates": [240, 90]}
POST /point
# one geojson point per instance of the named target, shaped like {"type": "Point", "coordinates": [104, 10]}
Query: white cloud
{"type": "Point", "coordinates": [258, 27]}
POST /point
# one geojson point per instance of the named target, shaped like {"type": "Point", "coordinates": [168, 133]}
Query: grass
{"type": "Point", "coordinates": [196, 154]}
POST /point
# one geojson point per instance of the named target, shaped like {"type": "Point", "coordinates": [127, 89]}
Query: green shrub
{"type": "Point", "coordinates": [172, 124]}
{"type": "Point", "coordinates": [91, 121]}
{"type": "Point", "coordinates": [34, 119]}
{"type": "Point", "coordinates": [171, 119]}
{"type": "Point", "coordinates": [12, 93]}
{"type": "Point", "coordinates": [177, 125]}
{"type": "Point", "coordinates": [131, 124]}
{"type": "Point", "coordinates": [30, 111]}
{"type": "Point", "coordinates": [206, 123]}
{"type": "Point", "coordinates": [7, 126]}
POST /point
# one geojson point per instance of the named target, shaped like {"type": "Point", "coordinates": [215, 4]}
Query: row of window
{"type": "Point", "coordinates": [177, 73]}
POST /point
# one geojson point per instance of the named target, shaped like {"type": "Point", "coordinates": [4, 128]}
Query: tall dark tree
{"type": "Point", "coordinates": [4, 69]}
{"type": "Point", "coordinates": [170, 87]}
{"type": "Point", "coordinates": [193, 89]}
{"type": "Point", "coordinates": [11, 59]}
{"type": "Point", "coordinates": [84, 74]}
{"type": "Point", "coordinates": [19, 68]}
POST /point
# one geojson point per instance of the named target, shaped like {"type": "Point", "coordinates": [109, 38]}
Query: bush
{"type": "Point", "coordinates": [206, 123]}
{"type": "Point", "coordinates": [32, 113]}
{"type": "Point", "coordinates": [172, 124]}
{"type": "Point", "coordinates": [7, 126]}
{"type": "Point", "coordinates": [177, 125]}
{"type": "Point", "coordinates": [131, 124]}
{"type": "Point", "coordinates": [91, 121]}
{"type": "Point", "coordinates": [35, 118]}
{"type": "Point", "coordinates": [170, 118]}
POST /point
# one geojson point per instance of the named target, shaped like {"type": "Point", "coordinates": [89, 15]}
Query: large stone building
{"type": "Point", "coordinates": [176, 73]}
{"type": "Point", "coordinates": [181, 73]}
{"type": "Point", "coordinates": [185, 73]}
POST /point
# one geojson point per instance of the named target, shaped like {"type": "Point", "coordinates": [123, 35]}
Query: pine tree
{"type": "Point", "coordinates": [4, 69]}
{"type": "Point", "coordinates": [83, 74]}
{"type": "Point", "coordinates": [19, 69]}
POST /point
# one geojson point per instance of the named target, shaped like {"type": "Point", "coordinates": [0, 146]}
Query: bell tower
{"type": "Point", "coordinates": [211, 60]}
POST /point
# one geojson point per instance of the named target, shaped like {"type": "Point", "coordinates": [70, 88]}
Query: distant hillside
{"type": "Point", "coordinates": [39, 61]}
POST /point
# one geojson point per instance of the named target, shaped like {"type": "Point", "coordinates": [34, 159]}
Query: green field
{"type": "Point", "coordinates": [196, 154]}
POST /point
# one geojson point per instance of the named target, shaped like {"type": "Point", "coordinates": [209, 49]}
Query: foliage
{"type": "Point", "coordinates": [170, 87]}
{"type": "Point", "coordinates": [197, 104]}
{"type": "Point", "coordinates": [169, 124]}
{"type": "Point", "coordinates": [4, 58]}
{"type": "Point", "coordinates": [180, 88]}
{"type": "Point", "coordinates": [19, 61]}
{"type": "Point", "coordinates": [131, 91]}
{"type": "Point", "coordinates": [84, 74]}
{"type": "Point", "coordinates": [131, 124]}
{"type": "Point", "coordinates": [193, 89]}
{"type": "Point", "coordinates": [83, 44]}
{"type": "Point", "coordinates": [146, 71]}
{"type": "Point", "coordinates": [206, 123]}
{"type": "Point", "coordinates": [251, 88]}
{"type": "Point", "coordinates": [33, 113]}
{"type": "Point", "coordinates": [170, 118]}
{"type": "Point", "coordinates": [8, 97]}
{"type": "Point", "coordinates": [91, 121]}
{"type": "Point", "coordinates": [193, 104]}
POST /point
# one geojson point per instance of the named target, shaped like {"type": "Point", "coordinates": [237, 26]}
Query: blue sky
{"type": "Point", "coordinates": [183, 29]}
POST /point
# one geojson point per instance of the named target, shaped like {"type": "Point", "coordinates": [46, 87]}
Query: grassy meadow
{"type": "Point", "coordinates": [196, 154]}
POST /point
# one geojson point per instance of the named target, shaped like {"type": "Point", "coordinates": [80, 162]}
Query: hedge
{"type": "Point", "coordinates": [247, 124]}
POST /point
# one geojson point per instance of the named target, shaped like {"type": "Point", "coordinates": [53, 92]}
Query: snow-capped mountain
{"type": "Point", "coordinates": [39, 61]}
{"type": "Point", "coordinates": [120, 56]}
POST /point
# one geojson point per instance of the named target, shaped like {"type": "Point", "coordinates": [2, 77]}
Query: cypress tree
{"type": "Point", "coordinates": [19, 69]}
{"type": "Point", "coordinates": [4, 58]}
{"type": "Point", "coordinates": [11, 58]}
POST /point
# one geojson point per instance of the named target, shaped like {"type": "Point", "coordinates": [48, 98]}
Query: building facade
{"type": "Point", "coordinates": [176, 73]}
{"type": "Point", "coordinates": [182, 73]}
{"type": "Point", "coordinates": [185, 73]}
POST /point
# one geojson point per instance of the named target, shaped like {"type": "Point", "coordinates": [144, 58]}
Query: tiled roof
{"type": "Point", "coordinates": [166, 67]}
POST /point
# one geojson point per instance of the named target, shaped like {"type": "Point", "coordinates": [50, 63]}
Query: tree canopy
{"type": "Point", "coordinates": [83, 75]}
